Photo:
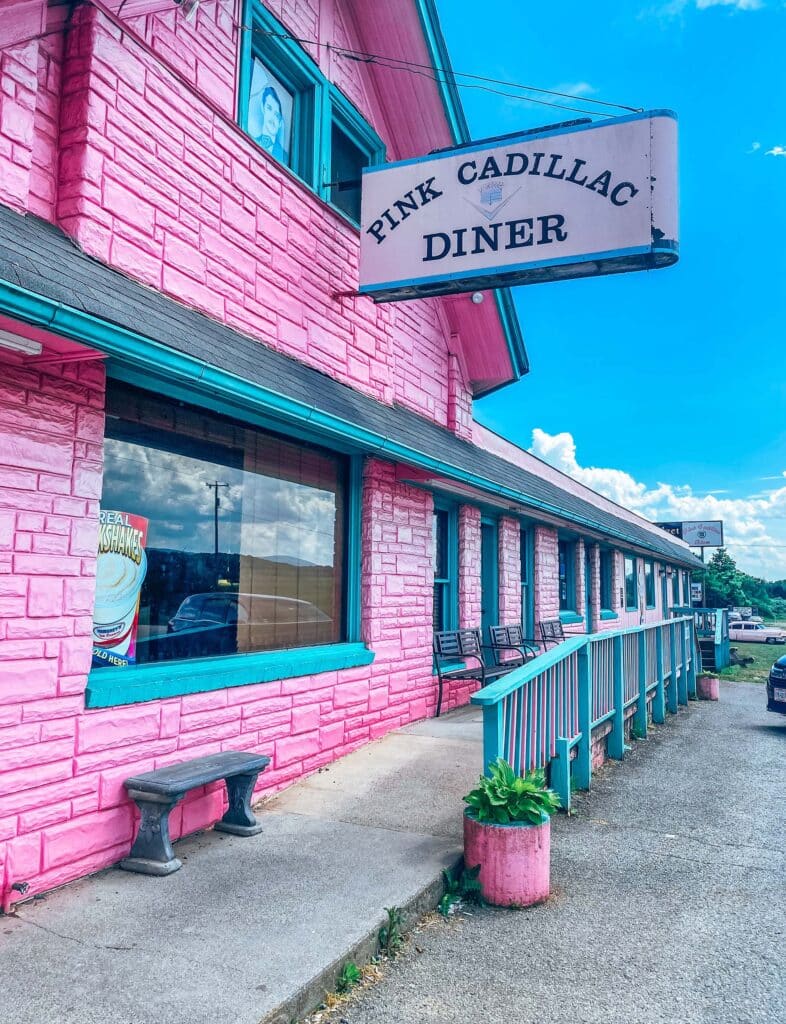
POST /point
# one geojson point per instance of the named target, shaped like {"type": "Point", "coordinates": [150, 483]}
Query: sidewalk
{"type": "Point", "coordinates": [253, 929]}
{"type": "Point", "coordinates": [668, 897]}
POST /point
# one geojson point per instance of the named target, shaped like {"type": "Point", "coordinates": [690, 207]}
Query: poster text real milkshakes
{"type": "Point", "coordinates": [120, 572]}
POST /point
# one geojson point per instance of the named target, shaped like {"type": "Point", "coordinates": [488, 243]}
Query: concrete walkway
{"type": "Point", "coordinates": [669, 897]}
{"type": "Point", "coordinates": [252, 929]}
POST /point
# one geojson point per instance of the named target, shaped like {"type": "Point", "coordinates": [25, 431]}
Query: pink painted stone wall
{"type": "Point", "coordinates": [63, 809]}
{"type": "Point", "coordinates": [236, 236]}
{"type": "Point", "coordinates": [469, 567]}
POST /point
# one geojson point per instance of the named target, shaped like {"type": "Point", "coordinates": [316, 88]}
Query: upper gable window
{"type": "Point", "coordinates": [289, 108]}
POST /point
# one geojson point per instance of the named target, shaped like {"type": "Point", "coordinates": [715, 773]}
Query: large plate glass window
{"type": "Point", "coordinates": [219, 537]}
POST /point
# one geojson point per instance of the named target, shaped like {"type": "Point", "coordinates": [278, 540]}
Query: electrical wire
{"type": "Point", "coordinates": [430, 72]}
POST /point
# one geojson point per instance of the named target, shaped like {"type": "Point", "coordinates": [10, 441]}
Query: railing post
{"type": "Point", "coordinates": [616, 741]}
{"type": "Point", "coordinates": [692, 666]}
{"type": "Point", "coordinates": [493, 734]}
{"type": "Point", "coordinates": [672, 702]}
{"type": "Point", "coordinates": [659, 700]}
{"type": "Point", "coordinates": [682, 690]}
{"type": "Point", "coordinates": [640, 715]}
{"type": "Point", "coordinates": [560, 771]}
{"type": "Point", "coordinates": [582, 769]}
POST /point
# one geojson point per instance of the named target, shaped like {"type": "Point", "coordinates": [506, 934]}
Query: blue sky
{"type": "Point", "coordinates": [671, 384]}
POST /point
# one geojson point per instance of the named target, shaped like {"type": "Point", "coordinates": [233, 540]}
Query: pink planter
{"type": "Point", "coordinates": [708, 687]}
{"type": "Point", "coordinates": [515, 861]}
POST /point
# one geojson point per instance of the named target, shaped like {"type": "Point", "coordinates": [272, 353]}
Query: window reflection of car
{"type": "Point", "coordinates": [227, 623]}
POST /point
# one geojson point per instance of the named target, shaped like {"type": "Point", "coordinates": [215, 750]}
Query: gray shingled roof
{"type": "Point", "coordinates": [40, 258]}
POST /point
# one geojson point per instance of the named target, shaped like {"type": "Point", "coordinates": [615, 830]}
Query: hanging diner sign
{"type": "Point", "coordinates": [572, 201]}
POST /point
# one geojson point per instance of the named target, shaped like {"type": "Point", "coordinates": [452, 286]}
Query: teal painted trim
{"type": "Point", "coordinates": [570, 618]}
{"type": "Point", "coordinates": [607, 616]}
{"type": "Point", "coordinates": [560, 771]}
{"type": "Point", "coordinates": [208, 383]}
{"type": "Point", "coordinates": [108, 688]}
{"type": "Point", "coordinates": [513, 333]}
{"type": "Point", "coordinates": [354, 534]}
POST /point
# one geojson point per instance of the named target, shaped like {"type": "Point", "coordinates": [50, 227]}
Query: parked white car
{"type": "Point", "coordinates": [756, 633]}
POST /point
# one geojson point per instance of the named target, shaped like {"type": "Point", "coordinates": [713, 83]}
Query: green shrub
{"type": "Point", "coordinates": [503, 797]}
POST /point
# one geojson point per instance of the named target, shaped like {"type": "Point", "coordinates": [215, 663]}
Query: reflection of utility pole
{"type": "Point", "coordinates": [216, 505]}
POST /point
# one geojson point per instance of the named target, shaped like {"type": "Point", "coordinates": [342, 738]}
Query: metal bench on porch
{"type": "Point", "coordinates": [453, 648]}
{"type": "Point", "coordinates": [551, 632]}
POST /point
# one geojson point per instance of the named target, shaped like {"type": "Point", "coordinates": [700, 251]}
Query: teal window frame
{"type": "Point", "coordinates": [568, 613]}
{"type": "Point", "coordinates": [631, 599]}
{"type": "Point", "coordinates": [449, 583]}
{"type": "Point", "coordinates": [675, 587]}
{"type": "Point", "coordinates": [317, 103]}
{"type": "Point", "coordinates": [344, 116]}
{"type": "Point", "coordinates": [153, 681]}
{"type": "Point", "coordinates": [606, 568]}
{"type": "Point", "coordinates": [649, 583]}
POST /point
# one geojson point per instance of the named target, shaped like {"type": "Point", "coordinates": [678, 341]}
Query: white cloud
{"type": "Point", "coordinates": [575, 88]}
{"type": "Point", "coordinates": [754, 147]}
{"type": "Point", "coordinates": [754, 526]}
{"type": "Point", "coordinates": [676, 8]}
{"type": "Point", "coordinates": [776, 151]}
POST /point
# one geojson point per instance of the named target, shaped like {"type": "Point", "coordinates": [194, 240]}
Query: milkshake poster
{"type": "Point", "coordinates": [120, 572]}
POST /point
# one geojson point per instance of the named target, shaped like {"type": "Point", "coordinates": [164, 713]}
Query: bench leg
{"type": "Point", "coordinates": [239, 819]}
{"type": "Point", "coordinates": [152, 852]}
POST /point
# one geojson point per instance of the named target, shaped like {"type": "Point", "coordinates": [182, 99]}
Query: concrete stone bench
{"type": "Point", "coordinates": [157, 792]}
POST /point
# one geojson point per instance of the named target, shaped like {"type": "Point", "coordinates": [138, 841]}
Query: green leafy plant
{"type": "Point", "coordinates": [502, 797]}
{"type": "Point", "coordinates": [461, 886]}
{"type": "Point", "coordinates": [349, 977]}
{"type": "Point", "coordinates": [390, 937]}
{"type": "Point", "coordinates": [637, 733]}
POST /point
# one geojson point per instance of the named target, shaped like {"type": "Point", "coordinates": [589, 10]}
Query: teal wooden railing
{"type": "Point", "coordinates": [537, 714]}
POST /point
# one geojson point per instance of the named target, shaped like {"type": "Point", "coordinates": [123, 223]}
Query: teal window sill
{"type": "Point", "coordinates": [608, 615]}
{"type": "Point", "coordinates": [109, 687]}
{"type": "Point", "coordinates": [569, 618]}
{"type": "Point", "coordinates": [451, 666]}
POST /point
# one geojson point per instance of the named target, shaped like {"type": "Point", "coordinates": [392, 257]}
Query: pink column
{"type": "Point", "coordinates": [509, 571]}
{"type": "Point", "coordinates": [469, 567]}
{"type": "Point", "coordinates": [546, 574]}
{"type": "Point", "coordinates": [595, 601]}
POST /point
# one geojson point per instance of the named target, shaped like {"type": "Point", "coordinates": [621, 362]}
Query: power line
{"type": "Point", "coordinates": [430, 72]}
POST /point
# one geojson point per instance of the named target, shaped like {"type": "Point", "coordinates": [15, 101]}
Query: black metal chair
{"type": "Point", "coordinates": [551, 632]}
{"type": "Point", "coordinates": [511, 638]}
{"type": "Point", "coordinates": [452, 649]}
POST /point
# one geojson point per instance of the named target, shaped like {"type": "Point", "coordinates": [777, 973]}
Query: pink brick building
{"type": "Point", "coordinates": [236, 499]}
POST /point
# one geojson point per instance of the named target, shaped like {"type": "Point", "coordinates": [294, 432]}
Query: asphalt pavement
{"type": "Point", "coordinates": [668, 897]}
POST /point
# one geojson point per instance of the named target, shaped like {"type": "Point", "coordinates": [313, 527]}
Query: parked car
{"type": "Point", "coordinates": [756, 633]}
{"type": "Point", "coordinates": [218, 622]}
{"type": "Point", "coordinates": [776, 687]}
